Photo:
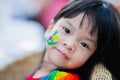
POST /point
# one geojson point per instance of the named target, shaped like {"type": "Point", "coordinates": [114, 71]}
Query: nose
{"type": "Point", "coordinates": [69, 45]}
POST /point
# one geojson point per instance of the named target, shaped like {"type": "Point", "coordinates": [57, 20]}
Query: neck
{"type": "Point", "coordinates": [46, 67]}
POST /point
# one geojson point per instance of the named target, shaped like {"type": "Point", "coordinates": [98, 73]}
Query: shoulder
{"type": "Point", "coordinates": [100, 72]}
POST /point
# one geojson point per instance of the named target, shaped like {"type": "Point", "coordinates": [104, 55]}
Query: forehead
{"type": "Point", "coordinates": [80, 21]}
{"type": "Point", "coordinates": [81, 24]}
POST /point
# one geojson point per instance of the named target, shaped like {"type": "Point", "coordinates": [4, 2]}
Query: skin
{"type": "Point", "coordinates": [116, 3]}
{"type": "Point", "coordinates": [74, 47]}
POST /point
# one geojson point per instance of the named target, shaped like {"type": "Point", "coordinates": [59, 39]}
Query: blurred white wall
{"type": "Point", "coordinates": [19, 36]}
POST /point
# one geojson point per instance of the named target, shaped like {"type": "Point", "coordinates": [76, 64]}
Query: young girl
{"type": "Point", "coordinates": [83, 34]}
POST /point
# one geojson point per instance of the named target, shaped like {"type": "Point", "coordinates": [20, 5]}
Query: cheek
{"type": "Point", "coordinates": [53, 38]}
{"type": "Point", "coordinates": [78, 60]}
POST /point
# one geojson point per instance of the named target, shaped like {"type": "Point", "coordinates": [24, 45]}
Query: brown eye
{"type": "Point", "coordinates": [66, 30]}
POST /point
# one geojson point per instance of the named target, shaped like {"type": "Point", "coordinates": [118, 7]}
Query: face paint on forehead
{"type": "Point", "coordinates": [53, 38]}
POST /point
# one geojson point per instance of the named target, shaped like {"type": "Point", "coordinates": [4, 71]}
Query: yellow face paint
{"type": "Point", "coordinates": [53, 38]}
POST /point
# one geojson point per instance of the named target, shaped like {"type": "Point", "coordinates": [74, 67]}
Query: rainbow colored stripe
{"type": "Point", "coordinates": [60, 75]}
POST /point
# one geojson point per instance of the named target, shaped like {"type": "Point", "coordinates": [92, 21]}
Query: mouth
{"type": "Point", "coordinates": [62, 53]}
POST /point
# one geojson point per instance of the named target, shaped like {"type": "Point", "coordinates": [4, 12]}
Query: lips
{"type": "Point", "coordinates": [62, 53]}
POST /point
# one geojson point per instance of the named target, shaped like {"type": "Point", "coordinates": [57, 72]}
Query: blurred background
{"type": "Point", "coordinates": [22, 27]}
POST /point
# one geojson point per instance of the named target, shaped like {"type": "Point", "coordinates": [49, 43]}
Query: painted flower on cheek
{"type": "Point", "coordinates": [53, 38]}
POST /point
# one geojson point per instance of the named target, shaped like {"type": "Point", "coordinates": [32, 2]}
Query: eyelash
{"type": "Point", "coordinates": [84, 45]}
{"type": "Point", "coordinates": [66, 30]}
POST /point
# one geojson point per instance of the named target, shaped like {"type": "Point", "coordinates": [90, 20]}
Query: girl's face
{"type": "Point", "coordinates": [73, 44]}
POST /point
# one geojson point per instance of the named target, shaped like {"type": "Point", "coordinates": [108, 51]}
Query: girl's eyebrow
{"type": "Point", "coordinates": [69, 24]}
{"type": "Point", "coordinates": [89, 39]}
{"type": "Point", "coordinates": [93, 41]}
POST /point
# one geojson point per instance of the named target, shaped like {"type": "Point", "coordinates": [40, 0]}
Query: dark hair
{"type": "Point", "coordinates": [105, 19]}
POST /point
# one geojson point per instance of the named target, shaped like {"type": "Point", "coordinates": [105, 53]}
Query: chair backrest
{"type": "Point", "coordinates": [100, 72]}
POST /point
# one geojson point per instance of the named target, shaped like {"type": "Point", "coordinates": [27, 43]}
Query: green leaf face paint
{"type": "Point", "coordinates": [53, 38]}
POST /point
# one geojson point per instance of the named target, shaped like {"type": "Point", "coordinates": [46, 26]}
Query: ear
{"type": "Point", "coordinates": [50, 27]}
